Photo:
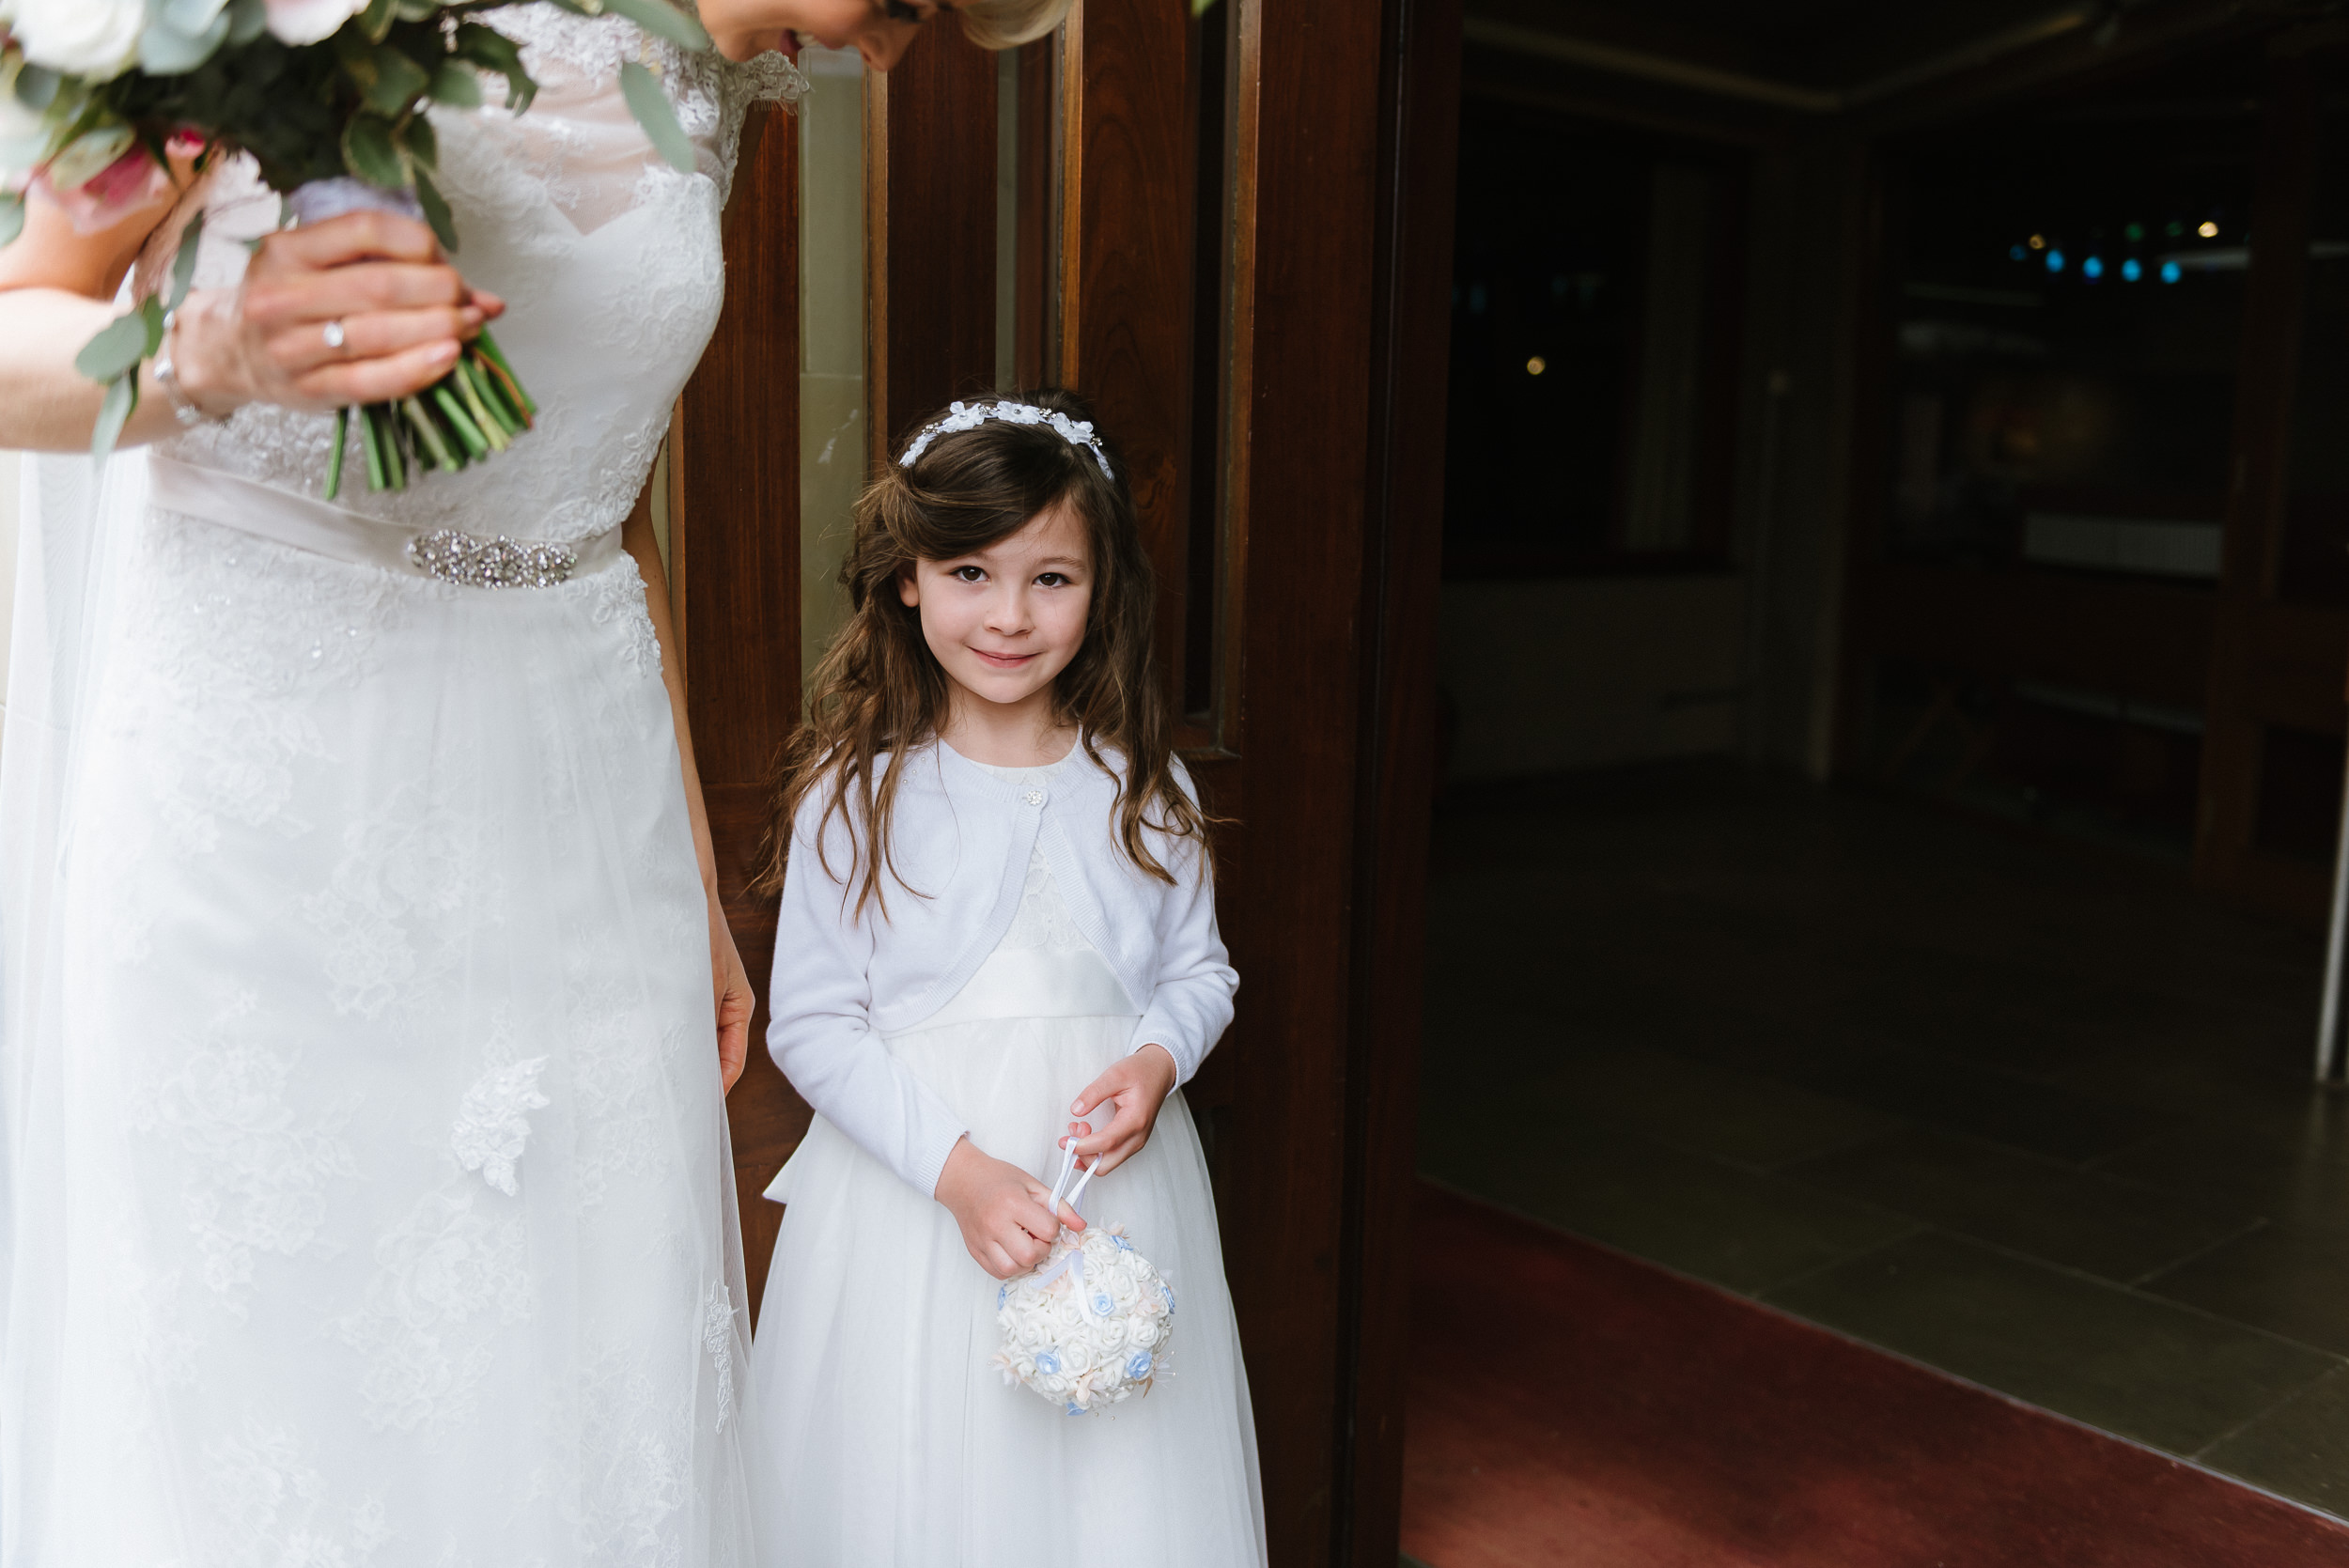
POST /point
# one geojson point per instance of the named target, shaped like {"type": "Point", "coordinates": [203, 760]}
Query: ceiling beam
{"type": "Point", "coordinates": [1619, 60]}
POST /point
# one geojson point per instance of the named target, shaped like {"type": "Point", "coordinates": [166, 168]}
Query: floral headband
{"type": "Point", "coordinates": [969, 416]}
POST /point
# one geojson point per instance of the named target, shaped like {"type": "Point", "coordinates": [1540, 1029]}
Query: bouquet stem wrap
{"type": "Point", "coordinates": [477, 408]}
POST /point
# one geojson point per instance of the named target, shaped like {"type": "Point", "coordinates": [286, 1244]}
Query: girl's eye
{"type": "Point", "coordinates": [1052, 580]}
{"type": "Point", "coordinates": [968, 574]}
{"type": "Point", "coordinates": [901, 10]}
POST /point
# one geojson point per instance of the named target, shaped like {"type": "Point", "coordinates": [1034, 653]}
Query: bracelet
{"type": "Point", "coordinates": [167, 376]}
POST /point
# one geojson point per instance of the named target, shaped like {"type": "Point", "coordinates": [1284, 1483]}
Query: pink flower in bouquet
{"type": "Point", "coordinates": [310, 21]}
{"type": "Point", "coordinates": [100, 177]}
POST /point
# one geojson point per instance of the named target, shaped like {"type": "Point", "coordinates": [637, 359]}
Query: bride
{"type": "Point", "coordinates": [368, 1009]}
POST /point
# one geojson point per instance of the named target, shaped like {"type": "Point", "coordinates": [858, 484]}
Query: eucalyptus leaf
{"type": "Point", "coordinates": [247, 19]}
{"type": "Point", "coordinates": [191, 16]}
{"type": "Point", "coordinates": [36, 87]}
{"type": "Point", "coordinates": [122, 400]}
{"type": "Point", "coordinates": [151, 317]}
{"type": "Point", "coordinates": [369, 153]}
{"type": "Point", "coordinates": [664, 19]}
{"type": "Point", "coordinates": [436, 212]}
{"type": "Point", "coordinates": [12, 218]}
{"type": "Point", "coordinates": [456, 85]}
{"type": "Point", "coordinates": [417, 11]}
{"type": "Point", "coordinates": [653, 111]}
{"type": "Point", "coordinates": [183, 264]}
{"type": "Point", "coordinates": [164, 50]}
{"type": "Point", "coordinates": [422, 142]}
{"type": "Point", "coordinates": [118, 347]}
{"type": "Point", "coordinates": [398, 82]}
{"type": "Point", "coordinates": [375, 20]}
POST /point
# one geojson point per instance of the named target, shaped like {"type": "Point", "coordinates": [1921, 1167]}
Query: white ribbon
{"type": "Point", "coordinates": [1073, 1261]}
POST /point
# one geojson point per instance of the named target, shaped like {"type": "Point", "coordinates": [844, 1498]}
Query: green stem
{"type": "Point", "coordinates": [454, 411]}
{"type": "Point", "coordinates": [372, 450]}
{"type": "Point", "coordinates": [513, 383]}
{"type": "Point", "coordinates": [485, 382]}
{"type": "Point", "coordinates": [335, 458]}
{"type": "Point", "coordinates": [437, 449]}
{"type": "Point", "coordinates": [491, 431]}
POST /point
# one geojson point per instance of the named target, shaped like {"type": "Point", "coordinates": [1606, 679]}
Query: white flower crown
{"type": "Point", "coordinates": [969, 416]}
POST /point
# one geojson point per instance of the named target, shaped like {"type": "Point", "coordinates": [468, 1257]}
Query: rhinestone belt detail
{"type": "Point", "coordinates": [476, 562]}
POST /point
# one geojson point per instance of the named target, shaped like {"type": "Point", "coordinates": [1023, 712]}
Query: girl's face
{"type": "Point", "coordinates": [1006, 620]}
{"type": "Point", "coordinates": [880, 30]}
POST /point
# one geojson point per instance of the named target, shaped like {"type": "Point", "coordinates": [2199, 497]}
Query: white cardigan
{"type": "Point", "coordinates": [963, 839]}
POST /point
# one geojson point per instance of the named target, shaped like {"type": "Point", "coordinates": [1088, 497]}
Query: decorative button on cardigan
{"type": "Point", "coordinates": [963, 839]}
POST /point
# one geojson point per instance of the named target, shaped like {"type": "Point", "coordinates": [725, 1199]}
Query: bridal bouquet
{"type": "Point", "coordinates": [104, 104]}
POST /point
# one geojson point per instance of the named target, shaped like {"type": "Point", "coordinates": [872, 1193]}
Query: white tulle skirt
{"type": "Point", "coordinates": [893, 1440]}
{"type": "Point", "coordinates": [370, 1194]}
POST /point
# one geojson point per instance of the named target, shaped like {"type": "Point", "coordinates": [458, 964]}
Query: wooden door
{"type": "Point", "coordinates": [1234, 235]}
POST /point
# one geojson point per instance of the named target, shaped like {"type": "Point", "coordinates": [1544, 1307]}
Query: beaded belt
{"type": "Point", "coordinates": [472, 560]}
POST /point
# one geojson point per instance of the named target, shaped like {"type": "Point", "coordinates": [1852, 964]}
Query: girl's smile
{"type": "Point", "coordinates": [1003, 621]}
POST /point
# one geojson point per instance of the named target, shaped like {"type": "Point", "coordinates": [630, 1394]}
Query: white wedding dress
{"type": "Point", "coordinates": [368, 1198]}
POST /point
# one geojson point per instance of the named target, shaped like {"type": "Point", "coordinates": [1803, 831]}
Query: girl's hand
{"type": "Point", "coordinates": [1136, 1087]}
{"type": "Point", "coordinates": [735, 1000]}
{"type": "Point", "coordinates": [1003, 1211]}
{"type": "Point", "coordinates": [404, 312]}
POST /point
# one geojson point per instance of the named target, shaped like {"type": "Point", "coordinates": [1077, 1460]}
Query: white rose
{"type": "Point", "coordinates": [309, 21]}
{"type": "Point", "coordinates": [96, 39]}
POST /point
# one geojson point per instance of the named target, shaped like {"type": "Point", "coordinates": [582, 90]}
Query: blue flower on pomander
{"type": "Point", "coordinates": [1075, 1409]}
{"type": "Point", "coordinates": [1102, 1304]}
{"type": "Point", "coordinates": [1139, 1367]}
{"type": "Point", "coordinates": [1047, 1363]}
{"type": "Point", "coordinates": [1122, 1245]}
{"type": "Point", "coordinates": [1002, 1294]}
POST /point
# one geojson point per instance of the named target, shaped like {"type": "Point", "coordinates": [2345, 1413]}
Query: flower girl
{"type": "Point", "coordinates": [995, 896]}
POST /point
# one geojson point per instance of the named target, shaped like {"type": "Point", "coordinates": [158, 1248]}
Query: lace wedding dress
{"type": "Point", "coordinates": [369, 1196]}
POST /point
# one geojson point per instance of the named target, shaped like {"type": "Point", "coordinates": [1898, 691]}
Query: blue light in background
{"type": "Point", "coordinates": [1476, 299]}
{"type": "Point", "coordinates": [2017, 253]}
{"type": "Point", "coordinates": [2171, 272]}
{"type": "Point", "coordinates": [2131, 270]}
{"type": "Point", "coordinates": [2092, 268]}
{"type": "Point", "coordinates": [2055, 262]}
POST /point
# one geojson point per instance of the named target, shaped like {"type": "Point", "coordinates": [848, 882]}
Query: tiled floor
{"type": "Point", "coordinates": [2031, 1113]}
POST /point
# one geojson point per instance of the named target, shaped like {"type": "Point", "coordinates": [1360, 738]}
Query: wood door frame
{"type": "Point", "coordinates": [734, 457]}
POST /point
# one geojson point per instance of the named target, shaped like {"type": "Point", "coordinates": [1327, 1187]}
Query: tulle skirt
{"type": "Point", "coordinates": [372, 1201]}
{"type": "Point", "coordinates": [895, 1441]}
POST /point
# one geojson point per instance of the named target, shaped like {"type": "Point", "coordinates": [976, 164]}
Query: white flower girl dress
{"type": "Point", "coordinates": [896, 1441]}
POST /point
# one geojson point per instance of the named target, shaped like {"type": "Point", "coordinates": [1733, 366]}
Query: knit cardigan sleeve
{"type": "Point", "coordinates": [820, 1002]}
{"type": "Point", "coordinates": [1191, 1005]}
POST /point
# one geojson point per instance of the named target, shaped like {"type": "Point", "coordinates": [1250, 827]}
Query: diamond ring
{"type": "Point", "coordinates": [334, 335]}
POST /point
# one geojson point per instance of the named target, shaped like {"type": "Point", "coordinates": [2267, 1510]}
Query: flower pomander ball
{"type": "Point", "coordinates": [1089, 1328]}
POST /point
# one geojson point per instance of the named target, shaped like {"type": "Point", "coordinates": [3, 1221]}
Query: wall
{"type": "Point", "coordinates": [1562, 672]}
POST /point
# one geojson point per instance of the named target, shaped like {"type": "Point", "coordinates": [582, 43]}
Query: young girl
{"type": "Point", "coordinates": [995, 896]}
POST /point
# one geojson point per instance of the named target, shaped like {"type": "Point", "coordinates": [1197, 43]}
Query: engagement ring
{"type": "Point", "coordinates": [334, 335]}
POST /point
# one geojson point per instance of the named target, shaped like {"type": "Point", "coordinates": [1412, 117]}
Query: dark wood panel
{"type": "Point", "coordinates": [2136, 639]}
{"type": "Point", "coordinates": [1404, 560]}
{"type": "Point", "coordinates": [1306, 150]}
{"type": "Point", "coordinates": [931, 151]}
{"type": "Point", "coordinates": [1126, 206]}
{"type": "Point", "coordinates": [735, 541]}
{"type": "Point", "coordinates": [1036, 350]}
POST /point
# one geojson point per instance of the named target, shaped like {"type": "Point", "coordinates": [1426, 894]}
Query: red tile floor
{"type": "Point", "coordinates": [1572, 1405]}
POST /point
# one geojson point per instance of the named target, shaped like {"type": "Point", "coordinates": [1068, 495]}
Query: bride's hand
{"type": "Point", "coordinates": [404, 311]}
{"type": "Point", "coordinates": [735, 1000]}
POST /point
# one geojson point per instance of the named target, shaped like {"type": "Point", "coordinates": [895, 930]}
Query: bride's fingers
{"type": "Point", "coordinates": [312, 299]}
{"type": "Point", "coordinates": [299, 351]}
{"type": "Point", "coordinates": [378, 380]}
{"type": "Point", "coordinates": [352, 237]}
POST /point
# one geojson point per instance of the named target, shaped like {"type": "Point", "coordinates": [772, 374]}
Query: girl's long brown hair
{"type": "Point", "coordinates": [878, 690]}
